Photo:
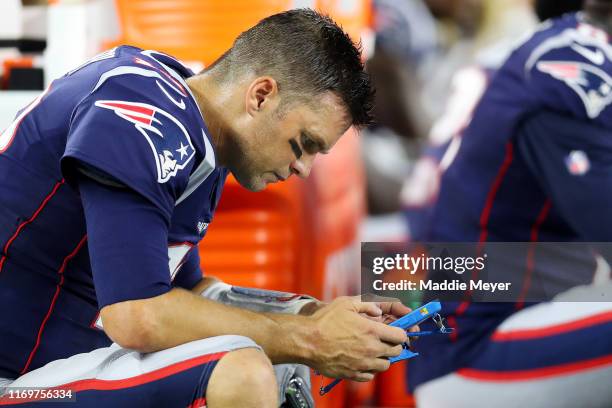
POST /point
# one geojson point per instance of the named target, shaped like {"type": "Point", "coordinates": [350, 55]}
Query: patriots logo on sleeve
{"type": "Point", "coordinates": [168, 138]}
{"type": "Point", "coordinates": [593, 85]}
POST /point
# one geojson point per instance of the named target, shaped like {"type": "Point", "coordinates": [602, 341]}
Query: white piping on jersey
{"type": "Point", "coordinates": [99, 57]}
{"type": "Point", "coordinates": [596, 57]}
{"type": "Point", "coordinates": [176, 257]}
{"type": "Point", "coordinates": [559, 311]}
{"type": "Point", "coordinates": [201, 173]}
{"type": "Point", "coordinates": [164, 174]}
{"type": "Point", "coordinates": [123, 70]}
{"type": "Point", "coordinates": [208, 164]}
{"type": "Point", "coordinates": [8, 134]}
{"type": "Point", "coordinates": [114, 363]}
{"type": "Point", "coordinates": [180, 104]}
{"type": "Point", "coordinates": [593, 103]}
{"type": "Point", "coordinates": [174, 74]}
{"type": "Point", "coordinates": [566, 39]}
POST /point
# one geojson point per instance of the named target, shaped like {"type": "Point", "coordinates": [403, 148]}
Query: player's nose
{"type": "Point", "coordinates": [301, 167]}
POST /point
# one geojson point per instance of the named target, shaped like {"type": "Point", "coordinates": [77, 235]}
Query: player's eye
{"type": "Point", "coordinates": [296, 148]}
{"type": "Point", "coordinates": [309, 145]}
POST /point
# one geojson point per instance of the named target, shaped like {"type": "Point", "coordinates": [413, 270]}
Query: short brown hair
{"type": "Point", "coordinates": [307, 53]}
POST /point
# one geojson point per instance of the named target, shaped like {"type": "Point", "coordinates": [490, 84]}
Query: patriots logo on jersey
{"type": "Point", "coordinates": [202, 227]}
{"type": "Point", "coordinates": [168, 138]}
{"type": "Point", "coordinates": [593, 86]}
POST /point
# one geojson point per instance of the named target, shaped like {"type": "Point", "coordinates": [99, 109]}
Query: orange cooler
{"type": "Point", "coordinates": [192, 30]}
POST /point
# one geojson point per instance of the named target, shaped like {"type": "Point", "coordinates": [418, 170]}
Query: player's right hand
{"type": "Point", "coordinates": [349, 345]}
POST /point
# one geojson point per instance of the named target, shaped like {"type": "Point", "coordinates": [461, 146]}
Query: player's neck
{"type": "Point", "coordinates": [213, 103]}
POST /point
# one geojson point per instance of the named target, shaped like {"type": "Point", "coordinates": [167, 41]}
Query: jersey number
{"type": "Point", "coordinates": [7, 136]}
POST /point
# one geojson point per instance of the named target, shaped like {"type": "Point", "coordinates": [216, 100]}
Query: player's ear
{"type": "Point", "coordinates": [262, 94]}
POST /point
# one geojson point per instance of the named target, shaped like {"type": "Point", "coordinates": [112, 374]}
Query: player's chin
{"type": "Point", "coordinates": [254, 184]}
{"type": "Point", "coordinates": [261, 185]}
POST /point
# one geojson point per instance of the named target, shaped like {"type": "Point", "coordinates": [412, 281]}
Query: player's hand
{"type": "Point", "coordinates": [312, 307]}
{"type": "Point", "coordinates": [349, 345]}
{"type": "Point", "coordinates": [391, 311]}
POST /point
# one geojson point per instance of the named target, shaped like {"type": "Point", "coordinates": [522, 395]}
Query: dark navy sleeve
{"type": "Point", "coordinates": [572, 160]}
{"type": "Point", "coordinates": [128, 243]}
{"type": "Point", "coordinates": [190, 273]}
{"type": "Point", "coordinates": [121, 129]}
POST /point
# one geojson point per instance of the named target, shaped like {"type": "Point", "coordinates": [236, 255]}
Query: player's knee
{"type": "Point", "coordinates": [243, 378]}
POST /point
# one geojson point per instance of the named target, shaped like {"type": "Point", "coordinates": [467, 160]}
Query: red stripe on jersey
{"type": "Point", "coordinates": [535, 230]}
{"type": "Point", "coordinates": [553, 330]}
{"type": "Point", "coordinates": [104, 385]}
{"type": "Point", "coordinates": [484, 222]}
{"type": "Point", "coordinates": [145, 120]}
{"type": "Point", "coordinates": [486, 211]}
{"type": "Point", "coordinates": [199, 403]}
{"type": "Point", "coordinates": [143, 62]}
{"type": "Point", "coordinates": [55, 296]}
{"type": "Point", "coordinates": [96, 384]}
{"type": "Point", "coordinates": [28, 221]}
{"type": "Point", "coordinates": [94, 321]}
{"type": "Point", "coordinates": [133, 108]}
{"type": "Point", "coordinates": [536, 373]}
{"type": "Point", "coordinates": [175, 82]}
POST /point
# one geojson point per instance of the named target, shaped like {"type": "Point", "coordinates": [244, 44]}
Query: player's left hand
{"type": "Point", "coordinates": [391, 311]}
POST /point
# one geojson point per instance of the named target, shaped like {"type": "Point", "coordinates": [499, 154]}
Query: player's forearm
{"type": "Point", "coordinates": [258, 300]}
{"type": "Point", "coordinates": [204, 283]}
{"type": "Point", "coordinates": [180, 316]}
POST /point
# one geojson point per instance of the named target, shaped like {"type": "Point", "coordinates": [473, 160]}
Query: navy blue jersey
{"type": "Point", "coordinates": [533, 165]}
{"type": "Point", "coordinates": [126, 117]}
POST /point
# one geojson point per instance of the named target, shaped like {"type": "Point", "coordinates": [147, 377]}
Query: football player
{"type": "Point", "coordinates": [532, 166]}
{"type": "Point", "coordinates": [108, 181]}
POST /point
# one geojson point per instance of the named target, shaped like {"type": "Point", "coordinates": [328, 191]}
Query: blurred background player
{"type": "Point", "coordinates": [420, 45]}
{"type": "Point", "coordinates": [438, 149]}
{"type": "Point", "coordinates": [529, 167]}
